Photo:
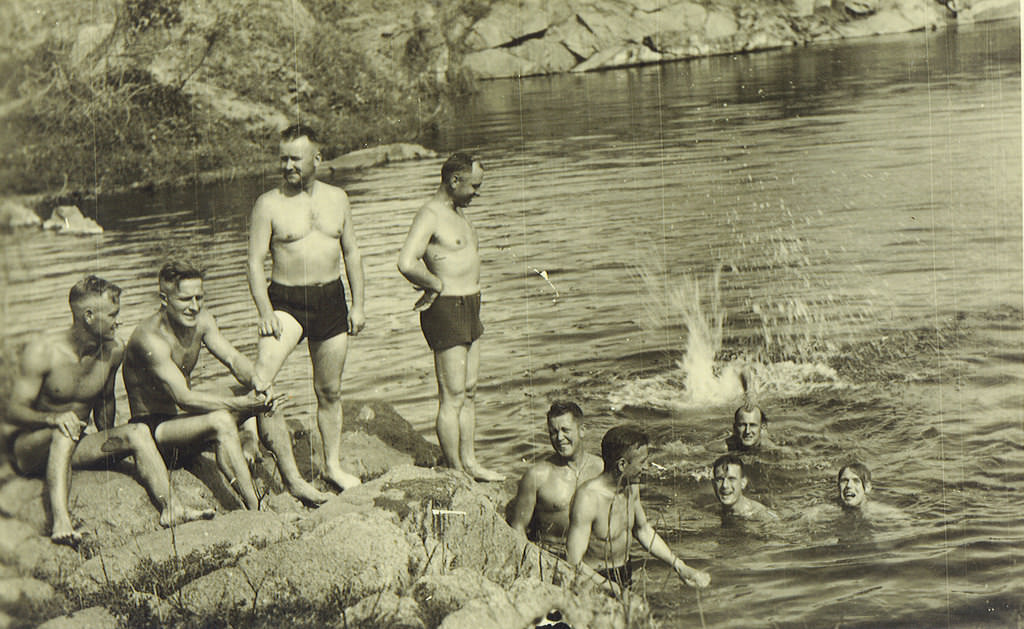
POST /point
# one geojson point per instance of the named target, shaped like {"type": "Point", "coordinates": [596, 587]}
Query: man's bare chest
{"type": "Point", "coordinates": [77, 382]}
{"type": "Point", "coordinates": [304, 219]}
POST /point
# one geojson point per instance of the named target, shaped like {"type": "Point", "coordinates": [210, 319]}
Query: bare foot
{"type": "Point", "coordinates": [342, 479]}
{"type": "Point", "coordinates": [307, 494]}
{"type": "Point", "coordinates": [66, 536]}
{"type": "Point", "coordinates": [173, 516]}
{"type": "Point", "coordinates": [481, 473]}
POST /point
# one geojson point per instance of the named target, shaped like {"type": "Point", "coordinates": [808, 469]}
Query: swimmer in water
{"type": "Point", "coordinates": [729, 480]}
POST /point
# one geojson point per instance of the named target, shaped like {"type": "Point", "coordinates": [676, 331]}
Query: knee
{"type": "Point", "coordinates": [223, 424]}
{"type": "Point", "coordinates": [328, 393]}
{"type": "Point", "coordinates": [137, 435]}
{"type": "Point", "coordinates": [453, 397]}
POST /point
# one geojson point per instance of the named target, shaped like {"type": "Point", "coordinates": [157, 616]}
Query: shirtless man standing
{"type": "Point", "coordinates": [63, 378]}
{"type": "Point", "coordinates": [541, 507]}
{"type": "Point", "coordinates": [441, 257]}
{"type": "Point", "coordinates": [306, 227]}
{"type": "Point", "coordinates": [607, 509]}
{"type": "Point", "coordinates": [162, 352]}
{"type": "Point", "coordinates": [729, 480]}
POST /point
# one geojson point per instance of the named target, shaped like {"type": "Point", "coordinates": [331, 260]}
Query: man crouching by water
{"type": "Point", "coordinates": [607, 509]}
{"type": "Point", "coordinates": [160, 356]}
{"type": "Point", "coordinates": [729, 478]}
{"type": "Point", "coordinates": [63, 378]}
{"type": "Point", "coordinates": [541, 507]}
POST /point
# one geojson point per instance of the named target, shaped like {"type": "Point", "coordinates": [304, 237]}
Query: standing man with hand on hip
{"type": "Point", "coordinates": [441, 257]}
{"type": "Point", "coordinates": [306, 227]}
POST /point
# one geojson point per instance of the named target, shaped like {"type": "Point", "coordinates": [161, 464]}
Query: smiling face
{"type": "Point", "coordinates": [853, 490]}
{"type": "Point", "coordinates": [748, 427]}
{"type": "Point", "coordinates": [729, 483]}
{"type": "Point", "coordinates": [298, 160]}
{"type": "Point", "coordinates": [183, 302]}
{"type": "Point", "coordinates": [565, 434]}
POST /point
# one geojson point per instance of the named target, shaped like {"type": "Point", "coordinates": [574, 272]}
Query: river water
{"type": "Point", "coordinates": [844, 218]}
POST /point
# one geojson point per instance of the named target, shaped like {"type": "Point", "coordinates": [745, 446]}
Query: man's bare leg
{"type": "Point", "coordinates": [48, 451]}
{"type": "Point", "coordinates": [272, 428]}
{"type": "Point", "coordinates": [136, 440]}
{"type": "Point", "coordinates": [328, 358]}
{"type": "Point", "coordinates": [189, 431]}
{"type": "Point", "coordinates": [467, 421]}
{"type": "Point", "coordinates": [450, 369]}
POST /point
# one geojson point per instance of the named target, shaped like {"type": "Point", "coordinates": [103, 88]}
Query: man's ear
{"type": "Point", "coordinates": [317, 158]}
{"type": "Point", "coordinates": [743, 483]}
{"type": "Point", "coordinates": [88, 314]}
{"type": "Point", "coordinates": [867, 487]}
{"type": "Point", "coordinates": [163, 298]}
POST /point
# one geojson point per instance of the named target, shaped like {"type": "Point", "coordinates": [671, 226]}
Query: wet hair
{"type": "Point", "coordinates": [859, 469]}
{"type": "Point", "coordinates": [92, 286]}
{"type": "Point", "coordinates": [457, 163]}
{"type": "Point", "coordinates": [618, 441]}
{"type": "Point", "coordinates": [749, 408]}
{"type": "Point", "coordinates": [561, 407]}
{"type": "Point", "coordinates": [175, 270]}
{"type": "Point", "coordinates": [298, 130]}
{"type": "Point", "coordinates": [725, 461]}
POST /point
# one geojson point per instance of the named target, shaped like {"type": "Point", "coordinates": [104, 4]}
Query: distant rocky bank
{"type": "Point", "coordinates": [413, 547]}
{"type": "Point", "coordinates": [533, 37]}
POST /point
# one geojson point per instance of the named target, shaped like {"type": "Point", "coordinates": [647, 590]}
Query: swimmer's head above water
{"type": "Point", "coordinates": [749, 427]}
{"type": "Point", "coordinates": [564, 428]}
{"type": "Point", "coordinates": [854, 485]}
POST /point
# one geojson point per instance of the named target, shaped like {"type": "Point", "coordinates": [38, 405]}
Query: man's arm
{"type": "Point", "coordinates": [35, 365]}
{"type": "Point", "coordinates": [260, 230]}
{"type": "Point", "coordinates": [240, 367]}
{"type": "Point", "coordinates": [650, 540]}
{"type": "Point", "coordinates": [104, 411]}
{"type": "Point", "coordinates": [353, 270]}
{"type": "Point", "coordinates": [410, 259]}
{"type": "Point", "coordinates": [525, 500]}
{"type": "Point", "coordinates": [156, 355]}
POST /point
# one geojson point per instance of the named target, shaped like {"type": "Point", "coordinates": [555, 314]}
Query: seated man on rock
{"type": "Point", "coordinates": [159, 359]}
{"type": "Point", "coordinates": [65, 376]}
{"type": "Point", "coordinates": [607, 509]}
{"type": "Point", "coordinates": [541, 507]}
{"type": "Point", "coordinates": [729, 479]}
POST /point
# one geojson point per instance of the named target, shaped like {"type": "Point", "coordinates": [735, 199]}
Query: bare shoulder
{"type": "Point", "coordinates": [331, 191]}
{"type": "Point", "coordinates": [146, 338]}
{"type": "Point", "coordinates": [39, 352]}
{"type": "Point", "coordinates": [267, 201]}
{"type": "Point", "coordinates": [114, 350]}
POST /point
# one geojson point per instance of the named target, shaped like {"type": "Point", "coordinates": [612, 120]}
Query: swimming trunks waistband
{"type": "Point", "coordinates": [452, 320]}
{"type": "Point", "coordinates": [320, 309]}
{"type": "Point", "coordinates": [621, 575]}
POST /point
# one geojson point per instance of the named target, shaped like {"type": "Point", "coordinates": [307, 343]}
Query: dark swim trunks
{"type": "Point", "coordinates": [452, 320]}
{"type": "Point", "coordinates": [319, 308]}
{"type": "Point", "coordinates": [621, 575]}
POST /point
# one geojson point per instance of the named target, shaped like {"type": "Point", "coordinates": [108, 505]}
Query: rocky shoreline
{"type": "Point", "coordinates": [415, 546]}
{"type": "Point", "coordinates": [534, 37]}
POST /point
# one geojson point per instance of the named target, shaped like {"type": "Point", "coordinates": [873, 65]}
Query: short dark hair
{"type": "Point", "coordinates": [298, 130]}
{"type": "Point", "coordinates": [859, 468]}
{"type": "Point", "coordinates": [726, 460]}
{"type": "Point", "coordinates": [92, 286]}
{"type": "Point", "coordinates": [561, 407]}
{"type": "Point", "coordinates": [749, 408]}
{"type": "Point", "coordinates": [177, 269]}
{"type": "Point", "coordinates": [457, 163]}
{"type": "Point", "coordinates": [618, 441]}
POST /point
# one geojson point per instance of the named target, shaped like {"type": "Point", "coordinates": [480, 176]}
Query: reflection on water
{"type": "Point", "coordinates": [860, 205]}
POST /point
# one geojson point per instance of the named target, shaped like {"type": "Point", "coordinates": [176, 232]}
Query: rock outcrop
{"type": "Point", "coordinates": [412, 547]}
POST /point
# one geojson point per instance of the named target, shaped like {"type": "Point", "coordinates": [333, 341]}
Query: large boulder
{"type": "Point", "coordinates": [619, 56]}
{"type": "Point", "coordinates": [68, 219]}
{"type": "Point", "coordinates": [986, 10]}
{"type": "Point", "coordinates": [14, 214]}
{"type": "Point", "coordinates": [498, 63]}
{"type": "Point", "coordinates": [230, 535]}
{"type": "Point", "coordinates": [512, 21]}
{"type": "Point", "coordinates": [377, 155]}
{"type": "Point", "coordinates": [354, 555]}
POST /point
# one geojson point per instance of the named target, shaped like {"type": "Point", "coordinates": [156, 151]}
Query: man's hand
{"type": "Point", "coordinates": [691, 576]}
{"type": "Point", "coordinates": [356, 321]}
{"type": "Point", "coordinates": [70, 424]}
{"type": "Point", "coordinates": [426, 300]}
{"type": "Point", "coordinates": [269, 326]}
